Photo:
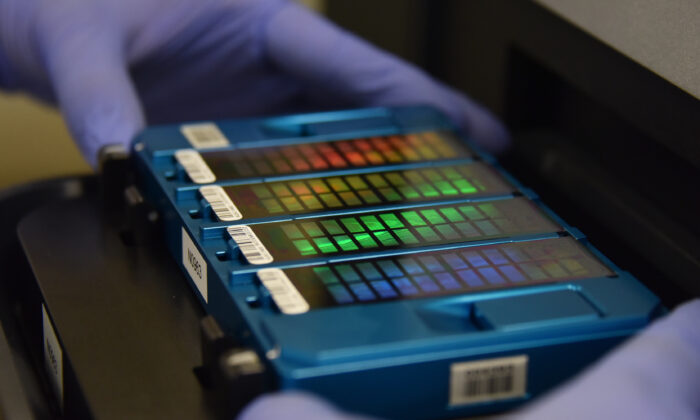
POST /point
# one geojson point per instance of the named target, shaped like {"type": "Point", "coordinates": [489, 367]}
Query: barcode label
{"type": "Point", "coordinates": [196, 168]}
{"type": "Point", "coordinates": [204, 135]}
{"type": "Point", "coordinates": [195, 265]}
{"type": "Point", "coordinates": [488, 380]}
{"type": "Point", "coordinates": [286, 296]}
{"type": "Point", "coordinates": [220, 203]}
{"type": "Point", "coordinates": [253, 250]}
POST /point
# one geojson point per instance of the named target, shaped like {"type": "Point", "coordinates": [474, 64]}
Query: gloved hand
{"type": "Point", "coordinates": [655, 375]}
{"type": "Point", "coordinates": [107, 63]}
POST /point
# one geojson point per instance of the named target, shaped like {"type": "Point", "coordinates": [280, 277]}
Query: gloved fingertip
{"type": "Point", "coordinates": [485, 128]}
{"type": "Point", "coordinates": [96, 124]}
{"type": "Point", "coordinates": [291, 406]}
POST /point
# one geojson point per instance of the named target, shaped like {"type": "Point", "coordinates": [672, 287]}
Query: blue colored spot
{"type": "Point", "coordinates": [384, 289]}
{"type": "Point", "coordinates": [471, 278]}
{"type": "Point", "coordinates": [340, 293]}
{"type": "Point", "coordinates": [427, 284]}
{"type": "Point", "coordinates": [405, 286]}
{"type": "Point", "coordinates": [362, 291]}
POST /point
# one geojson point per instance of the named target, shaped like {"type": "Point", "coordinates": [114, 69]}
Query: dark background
{"type": "Point", "coordinates": [608, 144]}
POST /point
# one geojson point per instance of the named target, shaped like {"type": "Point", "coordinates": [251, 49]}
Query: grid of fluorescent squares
{"type": "Point", "coordinates": [402, 228]}
{"type": "Point", "coordinates": [446, 272]}
{"type": "Point", "coordinates": [334, 155]}
{"type": "Point", "coordinates": [378, 188]}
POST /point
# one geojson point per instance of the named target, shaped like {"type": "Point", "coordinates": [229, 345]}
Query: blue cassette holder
{"type": "Point", "coordinates": [379, 258]}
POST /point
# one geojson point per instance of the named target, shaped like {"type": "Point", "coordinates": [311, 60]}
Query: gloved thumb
{"type": "Point", "coordinates": [90, 77]}
{"type": "Point", "coordinates": [294, 405]}
{"type": "Point", "coordinates": [655, 375]}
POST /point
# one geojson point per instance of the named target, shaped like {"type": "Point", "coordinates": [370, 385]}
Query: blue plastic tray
{"type": "Point", "coordinates": [449, 291]}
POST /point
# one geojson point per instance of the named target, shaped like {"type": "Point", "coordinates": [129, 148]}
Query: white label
{"type": "Point", "coordinates": [253, 250]}
{"type": "Point", "coordinates": [53, 356]}
{"type": "Point", "coordinates": [283, 291]}
{"type": "Point", "coordinates": [196, 168]}
{"type": "Point", "coordinates": [488, 380]}
{"type": "Point", "coordinates": [195, 265]}
{"type": "Point", "coordinates": [204, 135]}
{"type": "Point", "coordinates": [220, 203]}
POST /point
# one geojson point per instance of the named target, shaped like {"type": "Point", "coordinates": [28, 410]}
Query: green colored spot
{"type": "Point", "coordinates": [291, 203]}
{"type": "Point", "coordinates": [376, 180]}
{"type": "Point", "coordinates": [272, 205]}
{"type": "Point", "coordinates": [337, 184]}
{"type": "Point", "coordinates": [369, 197]}
{"type": "Point", "coordinates": [471, 212]}
{"type": "Point", "coordinates": [391, 220]}
{"type": "Point", "coordinates": [427, 190]}
{"type": "Point", "coordinates": [385, 238]}
{"type": "Point", "coordinates": [413, 218]}
{"type": "Point", "coordinates": [312, 229]}
{"type": "Point", "coordinates": [414, 177]}
{"type": "Point", "coordinates": [487, 227]}
{"type": "Point", "coordinates": [326, 275]}
{"type": "Point", "coordinates": [368, 271]}
{"type": "Point", "coordinates": [390, 194]}
{"type": "Point", "coordinates": [447, 231]}
{"type": "Point", "coordinates": [467, 229]}
{"type": "Point", "coordinates": [464, 186]}
{"type": "Point", "coordinates": [365, 240]}
{"type": "Point", "coordinates": [311, 202]}
{"type": "Point", "coordinates": [356, 182]}
{"type": "Point", "coordinates": [450, 173]}
{"type": "Point", "coordinates": [395, 179]}
{"type": "Point", "coordinates": [350, 198]}
{"type": "Point", "coordinates": [406, 236]}
{"type": "Point", "coordinates": [347, 273]}
{"type": "Point", "coordinates": [332, 227]}
{"type": "Point", "coordinates": [331, 200]}
{"type": "Point", "coordinates": [452, 214]}
{"type": "Point", "coordinates": [446, 188]}
{"type": "Point", "coordinates": [428, 233]}
{"type": "Point", "coordinates": [280, 190]}
{"type": "Point", "coordinates": [432, 216]}
{"type": "Point", "coordinates": [372, 222]}
{"type": "Point", "coordinates": [304, 247]}
{"type": "Point", "coordinates": [478, 184]}
{"type": "Point", "coordinates": [325, 245]}
{"type": "Point", "coordinates": [409, 192]}
{"type": "Point", "coordinates": [432, 175]}
{"type": "Point", "coordinates": [292, 231]}
{"type": "Point", "coordinates": [490, 210]}
{"type": "Point", "coordinates": [352, 225]}
{"type": "Point", "coordinates": [345, 243]}
{"type": "Point", "coordinates": [261, 191]}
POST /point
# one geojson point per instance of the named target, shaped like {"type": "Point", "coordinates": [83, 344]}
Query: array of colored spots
{"type": "Point", "coordinates": [334, 155]}
{"type": "Point", "coordinates": [377, 188]}
{"type": "Point", "coordinates": [323, 236]}
{"type": "Point", "coordinates": [455, 271]}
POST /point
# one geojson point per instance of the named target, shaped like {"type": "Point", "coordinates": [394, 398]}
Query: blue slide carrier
{"type": "Point", "coordinates": [379, 258]}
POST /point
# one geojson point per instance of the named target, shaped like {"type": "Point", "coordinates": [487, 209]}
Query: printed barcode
{"type": "Point", "coordinates": [196, 168]}
{"type": "Point", "coordinates": [220, 203]}
{"type": "Point", "coordinates": [204, 135]}
{"type": "Point", "coordinates": [488, 380]}
{"type": "Point", "coordinates": [286, 296]}
{"type": "Point", "coordinates": [253, 250]}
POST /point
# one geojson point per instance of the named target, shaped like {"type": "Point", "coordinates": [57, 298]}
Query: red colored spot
{"type": "Point", "coordinates": [356, 159]}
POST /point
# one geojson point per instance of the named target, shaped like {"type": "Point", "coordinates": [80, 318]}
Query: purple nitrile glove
{"type": "Point", "coordinates": [109, 62]}
{"type": "Point", "coordinates": [655, 375]}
